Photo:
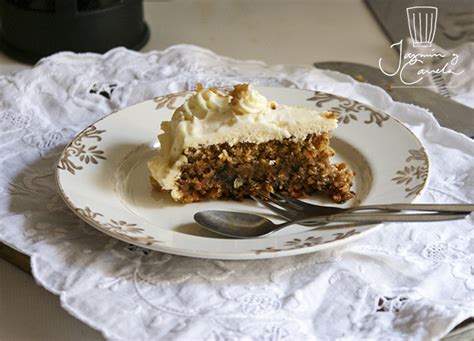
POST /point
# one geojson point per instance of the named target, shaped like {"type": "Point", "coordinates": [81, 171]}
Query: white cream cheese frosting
{"type": "Point", "coordinates": [244, 115]}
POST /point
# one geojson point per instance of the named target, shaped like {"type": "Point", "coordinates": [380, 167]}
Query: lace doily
{"type": "Point", "coordinates": [405, 280]}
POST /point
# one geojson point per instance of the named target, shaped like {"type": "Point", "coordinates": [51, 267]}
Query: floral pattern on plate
{"type": "Point", "coordinates": [347, 109]}
{"type": "Point", "coordinates": [79, 153]}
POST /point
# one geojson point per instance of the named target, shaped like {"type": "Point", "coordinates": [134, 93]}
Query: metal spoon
{"type": "Point", "coordinates": [246, 225]}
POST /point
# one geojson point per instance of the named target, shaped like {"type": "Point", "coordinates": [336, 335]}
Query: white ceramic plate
{"type": "Point", "coordinates": [103, 178]}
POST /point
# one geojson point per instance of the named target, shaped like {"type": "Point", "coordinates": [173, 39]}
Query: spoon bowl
{"type": "Point", "coordinates": [237, 224]}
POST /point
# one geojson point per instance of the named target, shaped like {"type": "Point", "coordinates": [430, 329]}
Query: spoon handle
{"type": "Point", "coordinates": [370, 218]}
{"type": "Point", "coordinates": [418, 207]}
{"type": "Point", "coordinates": [389, 217]}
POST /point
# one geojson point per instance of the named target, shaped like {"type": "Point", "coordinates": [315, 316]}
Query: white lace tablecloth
{"type": "Point", "coordinates": [403, 281]}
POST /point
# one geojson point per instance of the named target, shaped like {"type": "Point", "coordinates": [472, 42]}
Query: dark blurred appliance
{"type": "Point", "coordinates": [33, 29]}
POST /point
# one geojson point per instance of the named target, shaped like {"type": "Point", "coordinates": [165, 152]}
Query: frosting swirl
{"type": "Point", "coordinates": [201, 104]}
{"type": "Point", "coordinates": [246, 100]}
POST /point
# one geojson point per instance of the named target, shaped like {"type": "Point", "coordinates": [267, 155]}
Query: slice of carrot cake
{"type": "Point", "coordinates": [232, 145]}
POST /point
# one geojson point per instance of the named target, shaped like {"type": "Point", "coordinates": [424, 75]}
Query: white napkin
{"type": "Point", "coordinates": [403, 281]}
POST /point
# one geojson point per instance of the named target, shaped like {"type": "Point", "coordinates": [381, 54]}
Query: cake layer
{"type": "Point", "coordinates": [296, 168]}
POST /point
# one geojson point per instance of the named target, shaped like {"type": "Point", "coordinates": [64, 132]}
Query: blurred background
{"type": "Point", "coordinates": [274, 31]}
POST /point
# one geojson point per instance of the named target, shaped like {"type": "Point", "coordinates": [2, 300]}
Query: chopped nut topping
{"type": "Point", "coordinates": [329, 114]}
{"type": "Point", "coordinates": [215, 91]}
{"type": "Point", "coordinates": [239, 92]}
